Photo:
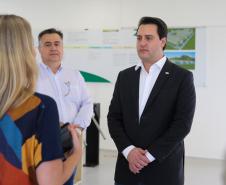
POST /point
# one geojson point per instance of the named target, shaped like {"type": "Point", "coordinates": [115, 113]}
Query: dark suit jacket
{"type": "Point", "coordinates": [165, 121]}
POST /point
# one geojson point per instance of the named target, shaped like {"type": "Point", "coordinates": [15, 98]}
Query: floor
{"type": "Point", "coordinates": [197, 171]}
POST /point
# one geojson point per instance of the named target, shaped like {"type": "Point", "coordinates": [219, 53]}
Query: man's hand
{"type": "Point", "coordinates": [137, 160]}
{"type": "Point", "coordinates": [78, 128]}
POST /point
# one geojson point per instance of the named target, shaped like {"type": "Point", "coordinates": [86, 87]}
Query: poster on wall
{"type": "Point", "coordinates": [181, 47]}
{"type": "Point", "coordinates": [101, 54]}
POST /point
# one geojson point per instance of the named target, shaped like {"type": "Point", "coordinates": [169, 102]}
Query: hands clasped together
{"type": "Point", "coordinates": [137, 160]}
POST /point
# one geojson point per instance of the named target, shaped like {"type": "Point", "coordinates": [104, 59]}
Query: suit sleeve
{"type": "Point", "coordinates": [115, 119]}
{"type": "Point", "coordinates": [181, 122]}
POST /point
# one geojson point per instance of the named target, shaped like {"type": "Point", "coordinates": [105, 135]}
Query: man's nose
{"type": "Point", "coordinates": [143, 42]}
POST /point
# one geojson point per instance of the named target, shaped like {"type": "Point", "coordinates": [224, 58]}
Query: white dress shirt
{"type": "Point", "coordinates": [147, 81]}
{"type": "Point", "coordinates": [67, 87]}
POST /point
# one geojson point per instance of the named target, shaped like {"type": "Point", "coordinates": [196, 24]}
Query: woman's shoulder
{"type": "Point", "coordinates": [44, 99]}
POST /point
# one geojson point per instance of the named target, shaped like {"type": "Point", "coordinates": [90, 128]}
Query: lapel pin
{"type": "Point", "coordinates": [166, 73]}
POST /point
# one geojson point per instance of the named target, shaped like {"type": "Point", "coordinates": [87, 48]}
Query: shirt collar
{"type": "Point", "coordinates": [160, 63]}
{"type": "Point", "coordinates": [44, 66]}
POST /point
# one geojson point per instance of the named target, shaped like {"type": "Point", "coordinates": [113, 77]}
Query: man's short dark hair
{"type": "Point", "coordinates": [161, 25]}
{"type": "Point", "coordinates": [50, 31]}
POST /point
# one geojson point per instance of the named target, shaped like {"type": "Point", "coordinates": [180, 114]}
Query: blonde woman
{"type": "Point", "coordinates": [30, 148]}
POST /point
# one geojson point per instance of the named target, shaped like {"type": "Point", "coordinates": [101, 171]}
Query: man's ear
{"type": "Point", "coordinates": [163, 40]}
{"type": "Point", "coordinates": [39, 48]}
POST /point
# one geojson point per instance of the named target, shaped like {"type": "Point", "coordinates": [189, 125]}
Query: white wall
{"type": "Point", "coordinates": [207, 138]}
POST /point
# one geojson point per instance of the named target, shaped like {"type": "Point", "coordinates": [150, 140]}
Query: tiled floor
{"type": "Point", "coordinates": [197, 171]}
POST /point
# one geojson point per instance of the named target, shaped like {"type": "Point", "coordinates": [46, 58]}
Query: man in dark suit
{"type": "Point", "coordinates": [151, 112]}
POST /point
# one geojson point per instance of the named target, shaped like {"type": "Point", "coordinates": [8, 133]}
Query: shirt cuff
{"type": "Point", "coordinates": [149, 156]}
{"type": "Point", "coordinates": [127, 150]}
{"type": "Point", "coordinates": [83, 123]}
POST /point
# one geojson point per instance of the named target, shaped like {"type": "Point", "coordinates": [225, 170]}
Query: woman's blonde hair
{"type": "Point", "coordinates": [18, 69]}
